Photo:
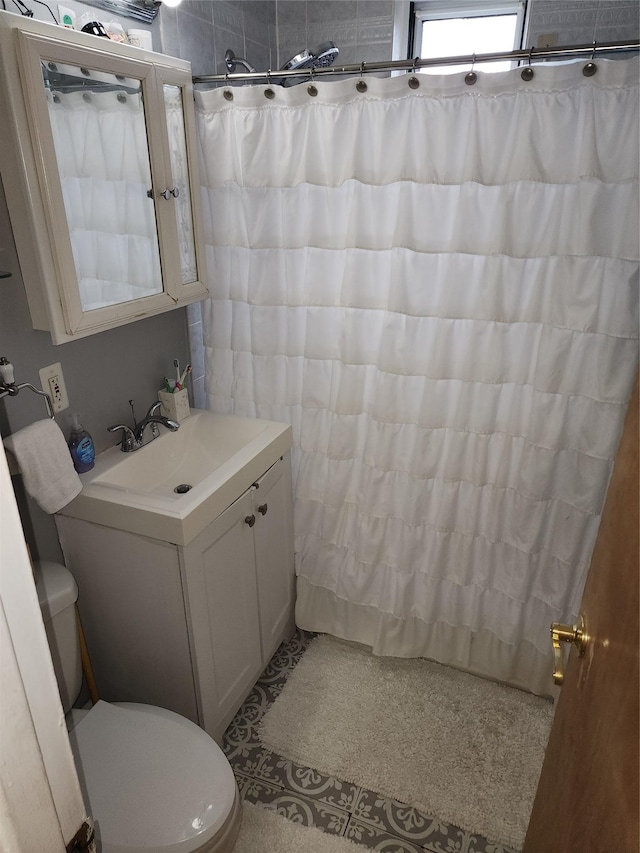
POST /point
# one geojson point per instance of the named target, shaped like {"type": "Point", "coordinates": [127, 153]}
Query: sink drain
{"type": "Point", "coordinates": [182, 488]}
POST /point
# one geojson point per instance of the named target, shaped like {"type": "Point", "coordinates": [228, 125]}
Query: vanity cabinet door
{"type": "Point", "coordinates": [103, 139]}
{"type": "Point", "coordinates": [222, 612]}
{"type": "Point", "coordinates": [273, 541]}
{"type": "Point", "coordinates": [238, 578]}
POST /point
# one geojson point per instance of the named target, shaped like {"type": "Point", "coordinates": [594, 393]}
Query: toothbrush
{"type": "Point", "coordinates": [176, 364]}
{"type": "Point", "coordinates": [184, 376]}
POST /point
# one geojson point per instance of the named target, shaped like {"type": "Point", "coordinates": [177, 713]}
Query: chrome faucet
{"type": "Point", "coordinates": [134, 439]}
{"type": "Point", "coordinates": [138, 432]}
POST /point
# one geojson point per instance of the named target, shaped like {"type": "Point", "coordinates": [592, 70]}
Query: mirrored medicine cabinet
{"type": "Point", "coordinates": [99, 165]}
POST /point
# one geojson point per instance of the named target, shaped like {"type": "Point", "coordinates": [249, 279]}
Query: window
{"type": "Point", "coordinates": [463, 27]}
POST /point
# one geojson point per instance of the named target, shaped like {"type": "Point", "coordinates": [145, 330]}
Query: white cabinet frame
{"type": "Point", "coordinates": [34, 193]}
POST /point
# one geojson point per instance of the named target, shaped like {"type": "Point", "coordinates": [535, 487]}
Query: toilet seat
{"type": "Point", "coordinates": [153, 780]}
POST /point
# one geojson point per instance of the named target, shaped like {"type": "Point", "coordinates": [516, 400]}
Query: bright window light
{"type": "Point", "coordinates": [460, 36]}
{"type": "Point", "coordinates": [441, 28]}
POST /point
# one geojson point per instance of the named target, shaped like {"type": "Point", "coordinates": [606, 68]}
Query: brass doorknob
{"type": "Point", "coordinates": [560, 633]}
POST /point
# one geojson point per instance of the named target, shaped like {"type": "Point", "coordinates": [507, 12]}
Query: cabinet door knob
{"type": "Point", "coordinates": [262, 509]}
{"type": "Point", "coordinates": [250, 520]}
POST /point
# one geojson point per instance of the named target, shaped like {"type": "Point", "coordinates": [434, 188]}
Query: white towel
{"type": "Point", "coordinates": [45, 464]}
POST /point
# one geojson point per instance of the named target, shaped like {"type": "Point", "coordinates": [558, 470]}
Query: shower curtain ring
{"type": "Point", "coordinates": [312, 89]}
{"type": "Point", "coordinates": [527, 73]}
{"type": "Point", "coordinates": [268, 92]}
{"type": "Point", "coordinates": [590, 68]}
{"type": "Point", "coordinates": [227, 94]}
{"type": "Point", "coordinates": [413, 80]}
{"type": "Point", "coordinates": [471, 77]}
{"type": "Point", "coordinates": [361, 86]}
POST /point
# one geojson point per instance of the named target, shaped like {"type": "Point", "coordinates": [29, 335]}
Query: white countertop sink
{"type": "Point", "coordinates": [217, 456]}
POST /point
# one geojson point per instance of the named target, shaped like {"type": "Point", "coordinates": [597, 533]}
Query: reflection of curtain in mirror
{"type": "Point", "coordinates": [101, 147]}
{"type": "Point", "coordinates": [180, 179]}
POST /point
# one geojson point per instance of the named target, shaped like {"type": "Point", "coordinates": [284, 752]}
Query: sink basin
{"type": "Point", "coordinates": [172, 488]}
{"type": "Point", "coordinates": [203, 443]}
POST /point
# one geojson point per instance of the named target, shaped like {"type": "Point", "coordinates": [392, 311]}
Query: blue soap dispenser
{"type": "Point", "coordinates": [81, 447]}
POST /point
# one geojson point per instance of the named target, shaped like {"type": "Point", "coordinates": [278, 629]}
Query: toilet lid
{"type": "Point", "coordinates": [152, 778]}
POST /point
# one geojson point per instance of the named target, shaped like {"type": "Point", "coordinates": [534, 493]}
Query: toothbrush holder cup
{"type": "Point", "coordinates": [175, 406]}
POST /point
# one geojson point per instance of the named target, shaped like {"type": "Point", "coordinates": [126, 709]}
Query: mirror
{"type": "Point", "coordinates": [180, 173]}
{"type": "Point", "coordinates": [101, 148]}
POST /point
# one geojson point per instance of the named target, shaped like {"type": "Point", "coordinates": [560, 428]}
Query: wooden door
{"type": "Point", "coordinates": [587, 798]}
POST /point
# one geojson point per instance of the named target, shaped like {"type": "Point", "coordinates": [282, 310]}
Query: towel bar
{"type": "Point", "coordinates": [47, 399]}
{"type": "Point", "coordinates": [8, 387]}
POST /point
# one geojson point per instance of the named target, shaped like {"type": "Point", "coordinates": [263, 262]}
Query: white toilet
{"type": "Point", "coordinates": [153, 781]}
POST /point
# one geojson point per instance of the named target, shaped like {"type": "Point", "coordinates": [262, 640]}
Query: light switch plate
{"type": "Point", "coordinates": [52, 381]}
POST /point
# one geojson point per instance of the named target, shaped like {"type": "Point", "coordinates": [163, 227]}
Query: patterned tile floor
{"type": "Point", "coordinates": [306, 796]}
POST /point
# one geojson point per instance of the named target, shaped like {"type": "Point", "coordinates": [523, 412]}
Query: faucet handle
{"type": "Point", "coordinates": [128, 442]}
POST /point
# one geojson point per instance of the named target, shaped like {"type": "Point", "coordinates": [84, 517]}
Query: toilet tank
{"type": "Point", "coordinates": [57, 594]}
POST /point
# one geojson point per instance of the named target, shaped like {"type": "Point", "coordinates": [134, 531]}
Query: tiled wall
{"type": "Point", "coordinates": [582, 21]}
{"type": "Point", "coordinates": [269, 32]}
{"type": "Point", "coordinates": [202, 30]}
{"type": "Point", "coordinates": [362, 29]}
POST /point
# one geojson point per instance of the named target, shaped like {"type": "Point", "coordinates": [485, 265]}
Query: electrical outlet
{"type": "Point", "coordinates": [52, 381]}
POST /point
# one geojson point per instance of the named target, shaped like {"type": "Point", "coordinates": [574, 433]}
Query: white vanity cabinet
{"type": "Point", "coordinates": [189, 628]}
{"type": "Point", "coordinates": [99, 163]}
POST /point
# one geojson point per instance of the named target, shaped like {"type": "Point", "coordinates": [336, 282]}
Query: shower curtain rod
{"type": "Point", "coordinates": [528, 55]}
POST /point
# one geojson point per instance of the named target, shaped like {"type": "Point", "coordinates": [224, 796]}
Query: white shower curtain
{"type": "Point", "coordinates": [438, 288]}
